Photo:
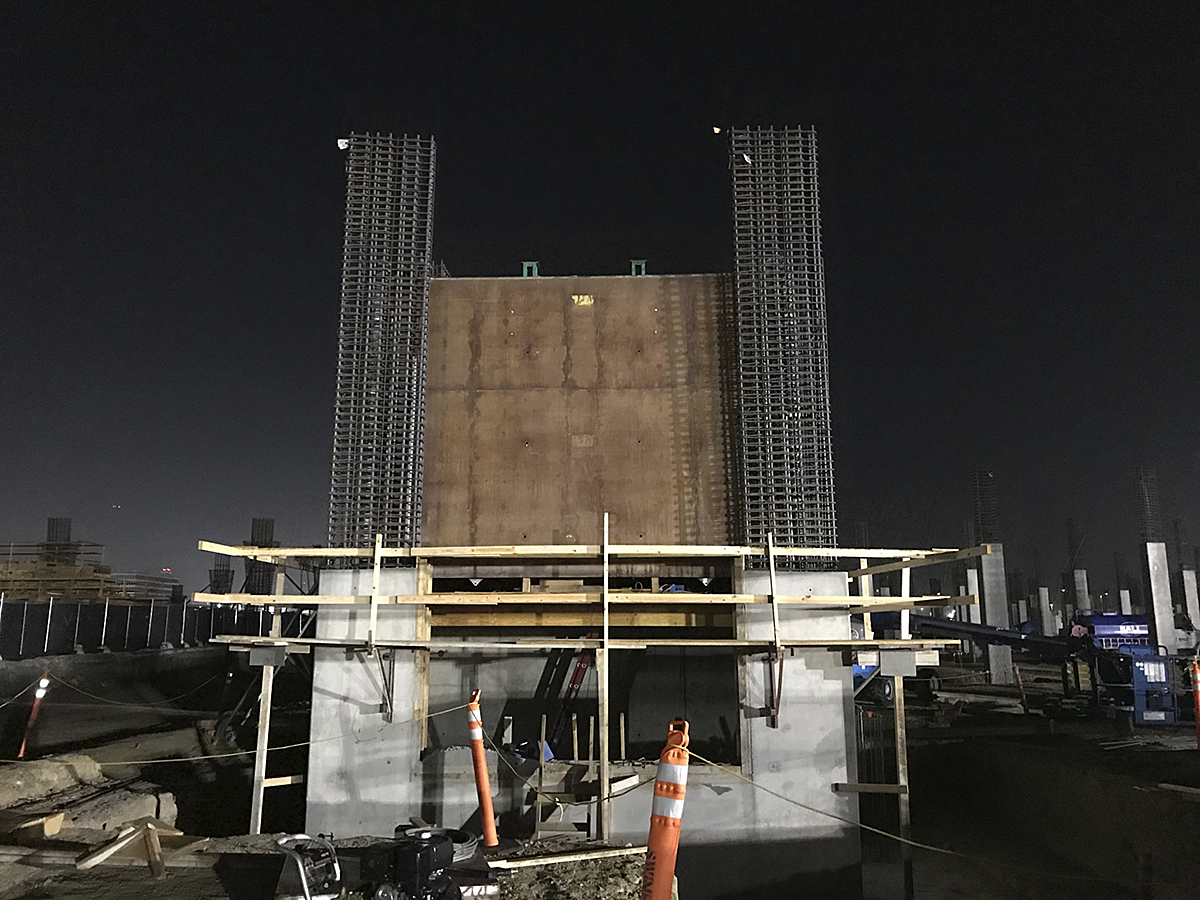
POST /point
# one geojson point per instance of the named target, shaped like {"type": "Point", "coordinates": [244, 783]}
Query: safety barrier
{"type": "Point", "coordinates": [666, 814]}
{"type": "Point", "coordinates": [482, 783]}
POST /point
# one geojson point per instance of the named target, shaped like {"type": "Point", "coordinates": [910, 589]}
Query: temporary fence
{"type": "Point", "coordinates": [29, 629]}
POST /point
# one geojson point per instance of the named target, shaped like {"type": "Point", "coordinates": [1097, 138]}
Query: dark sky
{"type": "Point", "coordinates": [1010, 198]}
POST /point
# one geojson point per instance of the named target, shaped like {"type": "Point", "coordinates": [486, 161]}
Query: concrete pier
{"type": "Point", "coordinates": [1126, 602]}
{"type": "Point", "coordinates": [1162, 609]}
{"type": "Point", "coordinates": [995, 612]}
{"type": "Point", "coordinates": [1049, 626]}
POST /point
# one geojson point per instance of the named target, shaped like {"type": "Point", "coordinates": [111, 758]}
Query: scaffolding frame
{"type": "Point", "coordinates": [379, 414]}
{"type": "Point", "coordinates": [785, 454]}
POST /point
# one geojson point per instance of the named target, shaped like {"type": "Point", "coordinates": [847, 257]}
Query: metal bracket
{"type": "Point", "coordinates": [387, 675]}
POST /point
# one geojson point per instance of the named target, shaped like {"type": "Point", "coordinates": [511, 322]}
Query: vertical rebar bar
{"type": "Point", "coordinates": [785, 450]}
{"type": "Point", "coordinates": [378, 449]}
{"type": "Point", "coordinates": [49, 617]}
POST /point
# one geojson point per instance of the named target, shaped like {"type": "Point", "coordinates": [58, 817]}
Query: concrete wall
{"type": "Point", "coordinates": [364, 777]}
{"type": "Point", "coordinates": [544, 411]}
{"type": "Point", "coordinates": [358, 765]}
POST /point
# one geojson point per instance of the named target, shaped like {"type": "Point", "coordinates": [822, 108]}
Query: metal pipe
{"type": "Point", "coordinates": [149, 623]}
{"type": "Point", "coordinates": [104, 625]}
{"type": "Point", "coordinates": [78, 613]}
{"type": "Point", "coordinates": [24, 616]}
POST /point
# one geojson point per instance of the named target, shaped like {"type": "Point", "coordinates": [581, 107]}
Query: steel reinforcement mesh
{"type": "Point", "coordinates": [786, 453]}
{"type": "Point", "coordinates": [379, 415]}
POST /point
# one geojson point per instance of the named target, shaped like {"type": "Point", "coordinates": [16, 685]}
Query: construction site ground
{"type": "Point", "coordinates": [1028, 804]}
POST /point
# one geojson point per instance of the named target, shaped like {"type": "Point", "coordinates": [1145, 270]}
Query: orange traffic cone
{"type": "Point", "coordinates": [482, 784]}
{"type": "Point", "coordinates": [666, 814]}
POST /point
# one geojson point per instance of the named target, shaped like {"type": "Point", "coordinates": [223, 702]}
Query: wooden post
{"type": "Point", "coordinates": [866, 589]}
{"type": "Point", "coordinates": [421, 657]}
{"type": "Point", "coordinates": [902, 779]}
{"type": "Point", "coordinates": [905, 591]}
{"type": "Point", "coordinates": [277, 616]}
{"type": "Point", "coordinates": [260, 750]}
{"type": "Point", "coordinates": [374, 595]}
{"type": "Point", "coordinates": [605, 780]}
{"type": "Point", "coordinates": [541, 778]}
{"type": "Point", "coordinates": [622, 720]}
{"type": "Point", "coordinates": [575, 736]}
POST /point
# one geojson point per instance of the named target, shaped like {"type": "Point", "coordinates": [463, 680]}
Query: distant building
{"type": "Point", "coordinates": [983, 496]}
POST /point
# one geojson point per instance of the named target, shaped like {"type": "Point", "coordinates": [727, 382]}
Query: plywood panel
{"type": "Point", "coordinates": [551, 400]}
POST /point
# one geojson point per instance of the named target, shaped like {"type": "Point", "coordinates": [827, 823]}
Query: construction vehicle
{"type": "Point", "coordinates": [1127, 673]}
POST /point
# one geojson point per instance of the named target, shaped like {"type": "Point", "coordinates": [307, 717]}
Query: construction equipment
{"type": "Point", "coordinates": [317, 874]}
{"type": "Point", "coordinates": [1127, 673]}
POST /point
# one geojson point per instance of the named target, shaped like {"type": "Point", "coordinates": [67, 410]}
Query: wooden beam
{"type": "Point", "coordinates": [841, 787]}
{"type": "Point", "coordinates": [670, 598]}
{"type": "Point", "coordinates": [524, 862]}
{"type": "Point", "coordinates": [524, 618]}
{"type": "Point", "coordinates": [260, 750]}
{"type": "Point", "coordinates": [931, 559]}
{"type": "Point", "coordinates": [519, 644]}
{"type": "Point", "coordinates": [562, 551]}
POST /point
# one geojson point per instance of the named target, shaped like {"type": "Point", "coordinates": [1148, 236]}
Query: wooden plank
{"type": "Point", "coordinates": [671, 598]}
{"type": "Point", "coordinates": [927, 560]}
{"type": "Point", "coordinates": [580, 856]}
{"type": "Point", "coordinates": [519, 644]}
{"type": "Point", "coordinates": [154, 854]}
{"type": "Point", "coordinates": [573, 551]}
{"type": "Point", "coordinates": [458, 618]}
{"type": "Point", "coordinates": [260, 750]}
{"type": "Point", "coordinates": [841, 787]}
{"type": "Point", "coordinates": [283, 780]}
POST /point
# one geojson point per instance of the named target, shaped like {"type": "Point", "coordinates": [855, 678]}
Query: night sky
{"type": "Point", "coordinates": [1010, 199]}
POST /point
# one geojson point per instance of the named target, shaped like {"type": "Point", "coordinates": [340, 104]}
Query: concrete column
{"type": "Point", "coordinates": [1082, 597]}
{"type": "Point", "coordinates": [995, 612]}
{"type": "Point", "coordinates": [1161, 608]}
{"type": "Point", "coordinates": [1023, 610]}
{"type": "Point", "coordinates": [1126, 603]}
{"type": "Point", "coordinates": [1193, 602]}
{"type": "Point", "coordinates": [974, 611]}
{"type": "Point", "coordinates": [364, 775]}
{"type": "Point", "coordinates": [1048, 624]}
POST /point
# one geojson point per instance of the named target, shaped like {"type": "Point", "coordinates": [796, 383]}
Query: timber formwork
{"type": "Point", "coordinates": [517, 620]}
{"type": "Point", "coordinates": [785, 453]}
{"type": "Point", "coordinates": [375, 485]}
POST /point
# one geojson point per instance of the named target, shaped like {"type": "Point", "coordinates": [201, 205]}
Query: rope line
{"type": "Point", "coordinates": [139, 705]}
{"type": "Point", "coordinates": [25, 690]}
{"type": "Point", "coordinates": [175, 759]}
{"type": "Point", "coordinates": [895, 837]}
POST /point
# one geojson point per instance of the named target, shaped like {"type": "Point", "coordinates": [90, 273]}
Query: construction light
{"type": "Point", "coordinates": [343, 143]}
{"type": "Point", "coordinates": [44, 683]}
{"type": "Point", "coordinates": [716, 129]}
{"type": "Point", "coordinates": [41, 692]}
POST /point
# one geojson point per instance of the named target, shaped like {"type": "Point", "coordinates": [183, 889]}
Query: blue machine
{"type": "Point", "coordinates": [1132, 673]}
